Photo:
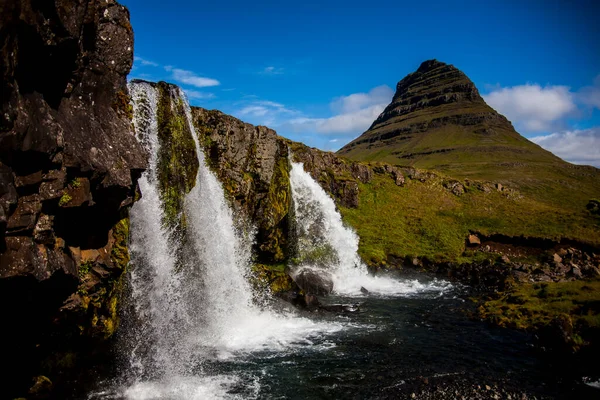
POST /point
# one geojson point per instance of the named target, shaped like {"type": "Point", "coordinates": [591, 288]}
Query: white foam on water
{"type": "Point", "coordinates": [319, 223]}
{"type": "Point", "coordinates": [183, 388]}
{"type": "Point", "coordinates": [200, 308]}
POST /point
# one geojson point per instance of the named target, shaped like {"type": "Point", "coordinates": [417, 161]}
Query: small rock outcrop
{"type": "Point", "coordinates": [68, 169]}
{"type": "Point", "coordinates": [314, 282]}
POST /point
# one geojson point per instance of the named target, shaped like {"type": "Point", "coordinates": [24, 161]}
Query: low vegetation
{"type": "Point", "coordinates": [425, 219]}
{"type": "Point", "coordinates": [573, 307]}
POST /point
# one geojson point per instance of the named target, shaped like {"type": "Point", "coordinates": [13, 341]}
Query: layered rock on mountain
{"type": "Point", "coordinates": [438, 120]}
{"type": "Point", "coordinates": [69, 163]}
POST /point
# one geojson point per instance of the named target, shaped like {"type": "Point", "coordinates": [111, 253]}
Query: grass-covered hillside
{"type": "Point", "coordinates": [431, 214]}
{"type": "Point", "coordinates": [438, 121]}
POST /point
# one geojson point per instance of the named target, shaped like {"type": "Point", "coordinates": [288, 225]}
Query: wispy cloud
{"type": "Point", "coordinates": [228, 90]}
{"type": "Point", "coordinates": [355, 113]}
{"type": "Point", "coordinates": [190, 78]}
{"type": "Point", "coordinates": [590, 95]}
{"type": "Point", "coordinates": [264, 112]}
{"type": "Point", "coordinates": [576, 146]}
{"type": "Point", "coordinates": [531, 107]}
{"type": "Point", "coordinates": [197, 95]}
{"type": "Point", "coordinates": [145, 63]}
{"type": "Point", "coordinates": [271, 70]}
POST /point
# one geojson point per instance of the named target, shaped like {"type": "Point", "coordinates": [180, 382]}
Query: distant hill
{"type": "Point", "coordinates": [437, 120]}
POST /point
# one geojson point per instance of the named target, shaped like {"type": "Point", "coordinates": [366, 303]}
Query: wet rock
{"type": "Point", "coordinates": [311, 302]}
{"type": "Point", "coordinates": [341, 308]}
{"type": "Point", "coordinates": [25, 216]}
{"type": "Point", "coordinates": [29, 180]}
{"type": "Point", "coordinates": [314, 282]}
{"type": "Point", "coordinates": [69, 163]}
{"type": "Point", "coordinates": [363, 290]}
{"type": "Point", "coordinates": [42, 387]}
{"type": "Point", "coordinates": [43, 231]}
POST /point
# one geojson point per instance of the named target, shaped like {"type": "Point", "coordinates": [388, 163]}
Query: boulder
{"type": "Point", "coordinates": [473, 240]}
{"type": "Point", "coordinates": [556, 258]}
{"type": "Point", "coordinates": [576, 272]}
{"type": "Point", "coordinates": [314, 282]}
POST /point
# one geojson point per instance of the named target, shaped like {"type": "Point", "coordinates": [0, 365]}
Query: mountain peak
{"type": "Point", "coordinates": [438, 120]}
{"type": "Point", "coordinates": [430, 64]}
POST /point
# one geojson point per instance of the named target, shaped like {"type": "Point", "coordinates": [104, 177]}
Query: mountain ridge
{"type": "Point", "coordinates": [438, 110]}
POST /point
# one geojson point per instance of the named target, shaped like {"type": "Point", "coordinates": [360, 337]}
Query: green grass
{"type": "Point", "coordinates": [534, 306]}
{"type": "Point", "coordinates": [427, 220]}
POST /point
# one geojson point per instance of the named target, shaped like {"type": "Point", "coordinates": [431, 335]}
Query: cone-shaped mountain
{"type": "Point", "coordinates": [438, 120]}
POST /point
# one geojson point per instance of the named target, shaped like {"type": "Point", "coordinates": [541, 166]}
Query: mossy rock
{"type": "Point", "coordinates": [177, 157]}
{"type": "Point", "coordinates": [272, 276]}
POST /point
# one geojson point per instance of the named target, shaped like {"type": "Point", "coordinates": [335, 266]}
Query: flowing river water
{"type": "Point", "coordinates": [195, 331]}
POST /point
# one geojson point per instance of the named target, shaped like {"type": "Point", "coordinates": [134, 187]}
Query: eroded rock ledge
{"type": "Point", "coordinates": [69, 163]}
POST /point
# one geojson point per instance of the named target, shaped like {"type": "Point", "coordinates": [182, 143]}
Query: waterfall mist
{"type": "Point", "coordinates": [326, 244]}
{"type": "Point", "coordinates": [191, 302]}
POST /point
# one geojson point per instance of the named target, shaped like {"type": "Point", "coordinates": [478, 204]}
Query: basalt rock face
{"type": "Point", "coordinates": [437, 119]}
{"type": "Point", "coordinates": [252, 163]}
{"type": "Point", "coordinates": [68, 169]}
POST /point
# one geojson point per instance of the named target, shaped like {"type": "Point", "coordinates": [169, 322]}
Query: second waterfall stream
{"type": "Point", "coordinates": [192, 318]}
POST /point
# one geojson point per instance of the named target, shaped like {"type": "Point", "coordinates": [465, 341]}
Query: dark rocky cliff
{"type": "Point", "coordinates": [68, 169]}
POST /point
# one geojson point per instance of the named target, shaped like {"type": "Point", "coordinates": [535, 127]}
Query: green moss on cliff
{"type": "Point", "coordinates": [272, 276]}
{"type": "Point", "coordinates": [177, 159]}
{"type": "Point", "coordinates": [278, 208]}
{"type": "Point", "coordinates": [99, 306]}
{"type": "Point", "coordinates": [571, 306]}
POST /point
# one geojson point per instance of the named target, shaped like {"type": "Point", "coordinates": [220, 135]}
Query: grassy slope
{"type": "Point", "coordinates": [573, 305]}
{"type": "Point", "coordinates": [427, 220]}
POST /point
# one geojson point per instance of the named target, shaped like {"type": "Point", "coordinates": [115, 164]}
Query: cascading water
{"type": "Point", "coordinates": [188, 314]}
{"type": "Point", "coordinates": [326, 244]}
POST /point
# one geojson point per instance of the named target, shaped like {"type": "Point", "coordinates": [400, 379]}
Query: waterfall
{"type": "Point", "coordinates": [326, 244]}
{"type": "Point", "coordinates": [189, 314]}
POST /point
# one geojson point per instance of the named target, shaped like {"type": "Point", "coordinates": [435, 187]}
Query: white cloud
{"type": "Point", "coordinates": [531, 107]}
{"type": "Point", "coordinates": [145, 63]}
{"type": "Point", "coordinates": [590, 95]}
{"type": "Point", "coordinates": [255, 111]}
{"type": "Point", "coordinates": [354, 122]}
{"type": "Point", "coordinates": [577, 146]}
{"type": "Point", "coordinates": [271, 71]}
{"type": "Point", "coordinates": [357, 101]}
{"type": "Point", "coordinates": [196, 95]}
{"type": "Point", "coordinates": [190, 78]}
{"type": "Point", "coordinates": [356, 113]}
{"type": "Point", "coordinates": [264, 112]}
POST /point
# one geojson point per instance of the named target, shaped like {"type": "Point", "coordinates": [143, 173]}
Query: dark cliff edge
{"type": "Point", "coordinates": [69, 163]}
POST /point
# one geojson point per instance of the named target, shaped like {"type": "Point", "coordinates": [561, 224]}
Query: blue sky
{"type": "Point", "coordinates": [321, 71]}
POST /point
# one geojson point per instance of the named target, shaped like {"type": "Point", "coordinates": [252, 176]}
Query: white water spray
{"type": "Point", "coordinates": [320, 230]}
{"type": "Point", "coordinates": [187, 315]}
